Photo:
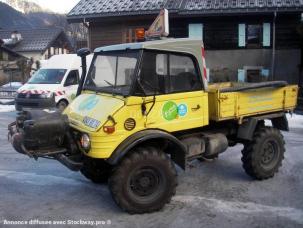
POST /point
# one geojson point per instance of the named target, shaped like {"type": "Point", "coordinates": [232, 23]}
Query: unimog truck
{"type": "Point", "coordinates": [145, 108]}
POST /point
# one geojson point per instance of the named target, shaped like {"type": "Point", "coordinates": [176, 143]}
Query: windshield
{"type": "Point", "coordinates": [47, 76]}
{"type": "Point", "coordinates": [112, 73]}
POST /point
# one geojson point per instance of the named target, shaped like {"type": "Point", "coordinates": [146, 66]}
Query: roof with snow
{"type": "Point", "coordinates": [34, 40]}
{"type": "Point", "coordinates": [106, 8]}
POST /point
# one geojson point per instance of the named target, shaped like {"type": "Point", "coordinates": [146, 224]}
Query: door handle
{"type": "Point", "coordinates": [196, 108]}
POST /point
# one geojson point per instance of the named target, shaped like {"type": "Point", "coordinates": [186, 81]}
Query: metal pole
{"type": "Point", "coordinates": [273, 60]}
{"type": "Point", "coordinates": [11, 78]}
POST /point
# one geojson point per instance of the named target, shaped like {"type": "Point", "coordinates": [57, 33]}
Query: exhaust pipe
{"type": "Point", "coordinates": [83, 52]}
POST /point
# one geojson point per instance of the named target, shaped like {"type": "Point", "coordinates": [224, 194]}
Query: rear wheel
{"type": "Point", "coordinates": [95, 170]}
{"type": "Point", "coordinates": [263, 156]}
{"type": "Point", "coordinates": [144, 181]}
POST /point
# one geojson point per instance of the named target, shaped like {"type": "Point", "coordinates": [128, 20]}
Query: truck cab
{"type": "Point", "coordinates": [141, 87]}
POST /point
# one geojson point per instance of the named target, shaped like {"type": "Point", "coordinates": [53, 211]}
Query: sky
{"type": "Point", "coordinates": [58, 6]}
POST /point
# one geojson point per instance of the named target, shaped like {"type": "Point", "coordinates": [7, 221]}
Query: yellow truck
{"type": "Point", "coordinates": [144, 108]}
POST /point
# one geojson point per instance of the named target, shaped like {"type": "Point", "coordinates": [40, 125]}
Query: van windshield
{"type": "Point", "coordinates": [47, 76]}
{"type": "Point", "coordinates": [112, 72]}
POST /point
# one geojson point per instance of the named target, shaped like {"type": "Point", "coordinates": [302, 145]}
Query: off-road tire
{"type": "Point", "coordinates": [95, 170]}
{"type": "Point", "coordinates": [144, 181]}
{"type": "Point", "coordinates": [263, 156]}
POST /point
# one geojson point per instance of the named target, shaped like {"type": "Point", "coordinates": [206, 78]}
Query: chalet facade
{"type": "Point", "coordinates": [9, 61]}
{"type": "Point", "coordinates": [37, 44]}
{"type": "Point", "coordinates": [245, 40]}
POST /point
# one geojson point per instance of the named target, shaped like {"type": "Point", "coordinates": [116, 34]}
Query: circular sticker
{"type": "Point", "coordinates": [89, 103]}
{"type": "Point", "coordinates": [170, 111]}
{"type": "Point", "coordinates": [182, 110]}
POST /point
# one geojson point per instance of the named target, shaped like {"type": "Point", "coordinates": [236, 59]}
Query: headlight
{"type": "Point", "coordinates": [47, 95]}
{"type": "Point", "coordinates": [85, 142]}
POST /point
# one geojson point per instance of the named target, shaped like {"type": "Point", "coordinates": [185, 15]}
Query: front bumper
{"type": "Point", "coordinates": [21, 103]}
{"type": "Point", "coordinates": [23, 135]}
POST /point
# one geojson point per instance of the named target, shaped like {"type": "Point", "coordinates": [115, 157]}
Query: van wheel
{"type": "Point", "coordinates": [144, 181]}
{"type": "Point", "coordinates": [62, 105]}
{"type": "Point", "coordinates": [263, 156]}
{"type": "Point", "coordinates": [96, 170]}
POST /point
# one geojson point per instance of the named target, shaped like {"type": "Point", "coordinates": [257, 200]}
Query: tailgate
{"type": "Point", "coordinates": [235, 105]}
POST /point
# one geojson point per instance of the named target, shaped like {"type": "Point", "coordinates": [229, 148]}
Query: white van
{"type": "Point", "coordinates": [53, 85]}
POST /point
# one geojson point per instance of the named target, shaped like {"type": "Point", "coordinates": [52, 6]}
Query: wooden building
{"type": "Point", "coordinates": [38, 44]}
{"type": "Point", "coordinates": [245, 40]}
{"type": "Point", "coordinates": [9, 69]}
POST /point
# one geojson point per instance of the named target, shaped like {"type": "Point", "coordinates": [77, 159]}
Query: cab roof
{"type": "Point", "coordinates": [186, 45]}
{"type": "Point", "coordinates": [182, 45]}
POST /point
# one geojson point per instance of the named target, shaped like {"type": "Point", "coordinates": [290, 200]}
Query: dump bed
{"type": "Point", "coordinates": [239, 100]}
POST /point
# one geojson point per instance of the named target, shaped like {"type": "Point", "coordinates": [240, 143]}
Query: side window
{"type": "Point", "coordinates": [183, 74]}
{"type": "Point", "coordinates": [72, 78]}
{"type": "Point", "coordinates": [153, 74]}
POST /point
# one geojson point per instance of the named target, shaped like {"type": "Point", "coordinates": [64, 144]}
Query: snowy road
{"type": "Point", "coordinates": [210, 194]}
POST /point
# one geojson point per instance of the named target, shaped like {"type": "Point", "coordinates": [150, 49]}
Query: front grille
{"type": "Point", "coordinates": [25, 95]}
{"type": "Point", "coordinates": [21, 95]}
{"type": "Point", "coordinates": [27, 104]}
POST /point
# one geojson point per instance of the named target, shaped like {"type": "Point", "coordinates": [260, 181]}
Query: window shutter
{"type": "Point", "coordinates": [266, 34]}
{"type": "Point", "coordinates": [242, 35]}
{"type": "Point", "coordinates": [241, 75]}
{"type": "Point", "coordinates": [195, 31]}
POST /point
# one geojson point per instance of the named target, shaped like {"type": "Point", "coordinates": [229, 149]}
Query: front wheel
{"type": "Point", "coordinates": [96, 170]}
{"type": "Point", "coordinates": [144, 181]}
{"type": "Point", "coordinates": [263, 156]}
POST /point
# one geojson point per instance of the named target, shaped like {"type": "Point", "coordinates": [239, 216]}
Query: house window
{"type": "Point", "coordinates": [254, 35]}
{"type": "Point", "coordinates": [195, 31]}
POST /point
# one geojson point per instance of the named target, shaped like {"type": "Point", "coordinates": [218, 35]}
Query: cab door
{"type": "Point", "coordinates": [176, 98]}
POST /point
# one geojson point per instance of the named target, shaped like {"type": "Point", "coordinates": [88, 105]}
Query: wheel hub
{"type": "Point", "coordinates": [268, 153]}
{"type": "Point", "coordinates": [145, 182]}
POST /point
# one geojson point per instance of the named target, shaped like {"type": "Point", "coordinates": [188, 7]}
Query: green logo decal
{"type": "Point", "coordinates": [89, 103]}
{"type": "Point", "coordinates": [170, 111]}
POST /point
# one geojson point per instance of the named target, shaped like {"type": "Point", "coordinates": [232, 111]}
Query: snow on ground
{"type": "Point", "coordinates": [295, 120]}
{"type": "Point", "coordinates": [6, 101]}
{"type": "Point", "coordinates": [7, 108]}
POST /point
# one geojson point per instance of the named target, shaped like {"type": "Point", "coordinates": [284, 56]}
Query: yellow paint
{"type": "Point", "coordinates": [103, 144]}
{"type": "Point", "coordinates": [197, 109]}
{"type": "Point", "coordinates": [236, 105]}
